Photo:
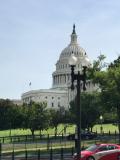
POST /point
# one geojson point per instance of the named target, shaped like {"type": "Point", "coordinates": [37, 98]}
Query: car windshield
{"type": "Point", "coordinates": [92, 148]}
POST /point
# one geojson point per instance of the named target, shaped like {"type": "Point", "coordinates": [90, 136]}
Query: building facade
{"type": "Point", "coordinates": [60, 94]}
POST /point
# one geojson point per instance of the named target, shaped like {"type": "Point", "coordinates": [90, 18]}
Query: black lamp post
{"type": "Point", "coordinates": [101, 127]}
{"type": "Point", "coordinates": [118, 113]}
{"type": "Point", "coordinates": [78, 77]}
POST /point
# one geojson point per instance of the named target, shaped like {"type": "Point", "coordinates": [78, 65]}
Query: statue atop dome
{"type": "Point", "coordinates": [73, 36]}
{"type": "Point", "coordinates": [73, 29]}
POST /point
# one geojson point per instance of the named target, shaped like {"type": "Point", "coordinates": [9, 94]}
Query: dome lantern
{"type": "Point", "coordinates": [73, 36]}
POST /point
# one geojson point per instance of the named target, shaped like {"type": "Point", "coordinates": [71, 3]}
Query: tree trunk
{"type": "Point", "coordinates": [91, 129]}
{"type": "Point", "coordinates": [40, 133]}
{"type": "Point", "coordinates": [32, 130]}
{"type": "Point", "coordinates": [55, 130]}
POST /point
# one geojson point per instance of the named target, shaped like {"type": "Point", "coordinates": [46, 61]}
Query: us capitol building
{"type": "Point", "coordinates": [60, 94]}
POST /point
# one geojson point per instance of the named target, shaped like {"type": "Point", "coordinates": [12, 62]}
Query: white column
{"type": "Point", "coordinates": [60, 79]}
{"type": "Point", "coordinates": [65, 78]}
{"type": "Point", "coordinates": [55, 79]}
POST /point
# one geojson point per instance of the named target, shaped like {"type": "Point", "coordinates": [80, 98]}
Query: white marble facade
{"type": "Point", "coordinates": [60, 94]}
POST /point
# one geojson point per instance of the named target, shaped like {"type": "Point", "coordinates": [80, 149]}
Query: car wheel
{"type": "Point", "coordinates": [90, 158]}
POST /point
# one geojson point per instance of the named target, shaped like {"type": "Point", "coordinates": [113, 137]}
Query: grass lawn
{"type": "Point", "coordinates": [70, 129]}
{"type": "Point", "coordinates": [51, 131]}
{"type": "Point", "coordinates": [106, 128]}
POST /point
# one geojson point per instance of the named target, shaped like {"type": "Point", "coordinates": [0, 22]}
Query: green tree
{"type": "Point", "coordinates": [90, 105]}
{"type": "Point", "coordinates": [36, 116]}
{"type": "Point", "coordinates": [109, 82]}
{"type": "Point", "coordinates": [14, 115]}
{"type": "Point", "coordinates": [97, 66]}
{"type": "Point", "coordinates": [7, 109]}
{"type": "Point", "coordinates": [56, 118]}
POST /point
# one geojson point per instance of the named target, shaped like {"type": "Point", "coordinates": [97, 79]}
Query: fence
{"type": "Point", "coordinates": [38, 154]}
{"type": "Point", "coordinates": [26, 138]}
{"type": "Point", "coordinates": [50, 147]}
{"type": "Point", "coordinates": [62, 137]}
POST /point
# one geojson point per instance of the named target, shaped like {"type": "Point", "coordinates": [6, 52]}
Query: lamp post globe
{"type": "Point", "coordinates": [72, 60]}
{"type": "Point", "coordinates": [86, 62]}
{"type": "Point", "coordinates": [101, 117]}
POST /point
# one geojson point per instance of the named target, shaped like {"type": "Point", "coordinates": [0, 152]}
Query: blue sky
{"type": "Point", "coordinates": [34, 32]}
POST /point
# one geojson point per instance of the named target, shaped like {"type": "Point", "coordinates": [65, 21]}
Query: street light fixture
{"type": "Point", "coordinates": [101, 127]}
{"type": "Point", "coordinates": [78, 77]}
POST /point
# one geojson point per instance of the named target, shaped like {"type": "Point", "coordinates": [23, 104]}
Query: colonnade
{"type": "Point", "coordinates": [61, 79]}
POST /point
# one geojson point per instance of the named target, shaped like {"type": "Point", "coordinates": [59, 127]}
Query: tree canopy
{"type": "Point", "coordinates": [90, 105]}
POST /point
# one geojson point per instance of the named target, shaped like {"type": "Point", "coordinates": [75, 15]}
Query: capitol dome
{"type": "Point", "coordinates": [77, 50]}
{"type": "Point", "coordinates": [62, 75]}
{"type": "Point", "coordinates": [73, 47]}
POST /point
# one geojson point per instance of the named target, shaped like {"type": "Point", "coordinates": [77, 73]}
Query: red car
{"type": "Point", "coordinates": [100, 152]}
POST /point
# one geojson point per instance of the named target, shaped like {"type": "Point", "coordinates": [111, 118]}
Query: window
{"type": "Point", "coordinates": [110, 147]}
{"type": "Point", "coordinates": [103, 148]}
{"type": "Point", "coordinates": [58, 104]}
{"type": "Point", "coordinates": [52, 104]}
